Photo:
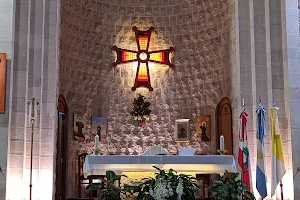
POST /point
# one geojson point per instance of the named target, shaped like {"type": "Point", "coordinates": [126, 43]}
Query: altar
{"type": "Point", "coordinates": [199, 164]}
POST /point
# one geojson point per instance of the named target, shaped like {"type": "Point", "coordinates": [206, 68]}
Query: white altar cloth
{"type": "Point", "coordinates": [200, 164]}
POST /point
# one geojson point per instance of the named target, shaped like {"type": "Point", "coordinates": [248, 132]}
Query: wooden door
{"type": "Point", "coordinates": [60, 183]}
{"type": "Point", "coordinates": [224, 124]}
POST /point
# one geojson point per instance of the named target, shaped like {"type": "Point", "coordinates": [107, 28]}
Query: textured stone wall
{"type": "Point", "coordinates": [6, 15]}
{"type": "Point", "coordinates": [202, 33]}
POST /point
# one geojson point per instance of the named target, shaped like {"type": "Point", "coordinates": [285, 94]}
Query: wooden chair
{"type": "Point", "coordinates": [85, 181]}
{"type": "Point", "coordinates": [81, 179]}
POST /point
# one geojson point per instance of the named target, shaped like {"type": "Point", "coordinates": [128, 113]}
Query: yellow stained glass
{"type": "Point", "coordinates": [143, 41]}
{"type": "Point", "coordinates": [157, 56]}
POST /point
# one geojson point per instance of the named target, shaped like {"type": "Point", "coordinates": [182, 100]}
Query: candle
{"type": "Point", "coordinates": [97, 142]}
{"type": "Point", "coordinates": [222, 144]}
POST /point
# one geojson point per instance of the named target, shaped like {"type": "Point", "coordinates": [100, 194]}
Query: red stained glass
{"type": "Point", "coordinates": [128, 56]}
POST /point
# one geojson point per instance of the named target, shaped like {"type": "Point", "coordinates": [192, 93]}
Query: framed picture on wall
{"type": "Point", "coordinates": [203, 127]}
{"type": "Point", "coordinates": [2, 81]}
{"type": "Point", "coordinates": [182, 130]}
{"type": "Point", "coordinates": [99, 127]}
{"type": "Point", "coordinates": [79, 126]}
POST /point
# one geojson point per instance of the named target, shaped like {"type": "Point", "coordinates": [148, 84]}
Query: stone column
{"type": "Point", "coordinates": [34, 74]}
{"type": "Point", "coordinates": [292, 60]}
{"type": "Point", "coordinates": [247, 72]}
{"type": "Point", "coordinates": [263, 71]}
{"type": "Point", "coordinates": [280, 85]}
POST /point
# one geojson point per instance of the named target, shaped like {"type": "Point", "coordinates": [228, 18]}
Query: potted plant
{"type": "Point", "coordinates": [166, 186]}
{"type": "Point", "coordinates": [109, 189]}
{"type": "Point", "coordinates": [229, 187]}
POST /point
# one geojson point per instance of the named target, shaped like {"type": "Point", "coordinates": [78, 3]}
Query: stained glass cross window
{"type": "Point", "coordinates": [143, 56]}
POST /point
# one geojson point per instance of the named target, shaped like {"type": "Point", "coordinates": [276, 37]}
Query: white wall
{"type": "Point", "coordinates": [6, 16]}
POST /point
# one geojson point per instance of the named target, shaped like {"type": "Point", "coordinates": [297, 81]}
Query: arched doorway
{"type": "Point", "coordinates": [60, 183]}
{"type": "Point", "coordinates": [224, 123]}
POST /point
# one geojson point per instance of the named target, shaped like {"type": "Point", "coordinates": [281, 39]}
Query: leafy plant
{"type": "Point", "coordinates": [109, 190]}
{"type": "Point", "coordinates": [166, 186]}
{"type": "Point", "coordinates": [229, 187]}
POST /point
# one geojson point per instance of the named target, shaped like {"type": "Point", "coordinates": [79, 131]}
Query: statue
{"type": "Point", "coordinates": [182, 133]}
{"type": "Point", "coordinates": [99, 131]}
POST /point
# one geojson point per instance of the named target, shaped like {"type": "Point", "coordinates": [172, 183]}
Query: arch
{"type": "Point", "coordinates": [62, 105]}
{"type": "Point", "coordinates": [61, 145]}
{"type": "Point", "coordinates": [224, 123]}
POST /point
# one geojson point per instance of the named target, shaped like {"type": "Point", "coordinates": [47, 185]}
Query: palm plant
{"type": "Point", "coordinates": [230, 188]}
{"type": "Point", "coordinates": [109, 190]}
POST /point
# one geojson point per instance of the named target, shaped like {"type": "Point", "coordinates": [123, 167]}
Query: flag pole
{"type": "Point", "coordinates": [281, 185]}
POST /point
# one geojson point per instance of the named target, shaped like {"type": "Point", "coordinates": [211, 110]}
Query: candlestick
{"type": "Point", "coordinates": [222, 144]}
{"type": "Point", "coordinates": [221, 151]}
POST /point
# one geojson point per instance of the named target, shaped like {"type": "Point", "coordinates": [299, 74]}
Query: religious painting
{"type": "Point", "coordinates": [182, 130]}
{"type": "Point", "coordinates": [203, 127]}
{"type": "Point", "coordinates": [79, 126]}
{"type": "Point", "coordinates": [2, 81]}
{"type": "Point", "coordinates": [99, 127]}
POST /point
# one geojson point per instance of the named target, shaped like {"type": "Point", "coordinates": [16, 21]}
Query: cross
{"type": "Point", "coordinates": [143, 56]}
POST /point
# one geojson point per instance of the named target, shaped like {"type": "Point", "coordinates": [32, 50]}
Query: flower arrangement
{"type": "Point", "coordinates": [140, 110]}
{"type": "Point", "coordinates": [166, 186]}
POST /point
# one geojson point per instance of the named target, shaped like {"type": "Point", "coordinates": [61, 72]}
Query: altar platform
{"type": "Point", "coordinates": [199, 164]}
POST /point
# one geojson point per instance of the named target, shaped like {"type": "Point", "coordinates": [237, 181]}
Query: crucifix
{"type": "Point", "coordinates": [143, 56]}
{"type": "Point", "coordinates": [2, 81]}
{"type": "Point", "coordinates": [80, 126]}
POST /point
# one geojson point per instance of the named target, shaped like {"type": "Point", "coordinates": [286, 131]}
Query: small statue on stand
{"type": "Point", "coordinates": [99, 131]}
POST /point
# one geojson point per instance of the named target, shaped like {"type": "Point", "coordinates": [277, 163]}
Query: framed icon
{"type": "Point", "coordinates": [203, 127]}
{"type": "Point", "coordinates": [79, 126]}
{"type": "Point", "coordinates": [182, 130]}
{"type": "Point", "coordinates": [99, 127]}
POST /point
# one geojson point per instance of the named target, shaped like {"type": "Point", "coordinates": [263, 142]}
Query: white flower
{"type": "Point", "coordinates": [146, 117]}
{"type": "Point", "coordinates": [179, 189]}
{"type": "Point", "coordinates": [151, 192]}
{"type": "Point", "coordinates": [161, 190]}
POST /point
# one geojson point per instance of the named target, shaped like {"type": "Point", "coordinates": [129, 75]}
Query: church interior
{"type": "Point", "coordinates": [101, 94]}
